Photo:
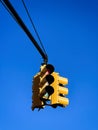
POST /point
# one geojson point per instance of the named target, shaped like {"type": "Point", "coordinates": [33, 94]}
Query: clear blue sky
{"type": "Point", "coordinates": [69, 31]}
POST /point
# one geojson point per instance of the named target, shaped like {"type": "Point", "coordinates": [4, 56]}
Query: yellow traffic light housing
{"type": "Point", "coordinates": [36, 102]}
{"type": "Point", "coordinates": [58, 97]}
{"type": "Point", "coordinates": [49, 86]}
{"type": "Point", "coordinates": [45, 82]}
{"type": "Point", "coordinates": [41, 86]}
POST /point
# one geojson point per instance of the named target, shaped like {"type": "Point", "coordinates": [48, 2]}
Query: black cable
{"type": "Point", "coordinates": [34, 27]}
{"type": "Point", "coordinates": [13, 13]}
{"type": "Point", "coordinates": [8, 10]}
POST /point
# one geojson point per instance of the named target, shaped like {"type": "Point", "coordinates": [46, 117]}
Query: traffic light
{"type": "Point", "coordinates": [58, 97]}
{"type": "Point", "coordinates": [46, 79]}
{"type": "Point", "coordinates": [36, 102]}
{"type": "Point", "coordinates": [42, 88]}
{"type": "Point", "coordinates": [49, 86]}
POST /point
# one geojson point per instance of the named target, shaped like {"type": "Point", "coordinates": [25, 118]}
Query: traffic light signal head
{"type": "Point", "coordinates": [41, 86]}
{"type": "Point", "coordinates": [46, 79]}
{"type": "Point", "coordinates": [49, 86]}
{"type": "Point", "coordinates": [36, 102]}
{"type": "Point", "coordinates": [58, 97]}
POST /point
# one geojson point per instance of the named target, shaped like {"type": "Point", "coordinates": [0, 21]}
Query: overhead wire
{"type": "Point", "coordinates": [18, 19]}
{"type": "Point", "coordinates": [8, 11]}
{"type": "Point", "coordinates": [27, 11]}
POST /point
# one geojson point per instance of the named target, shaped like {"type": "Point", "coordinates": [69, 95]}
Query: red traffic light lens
{"type": "Point", "coordinates": [50, 68]}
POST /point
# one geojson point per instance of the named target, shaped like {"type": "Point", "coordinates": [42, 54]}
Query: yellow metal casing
{"type": "Point", "coordinates": [59, 90]}
{"type": "Point", "coordinates": [45, 71]}
{"type": "Point", "coordinates": [43, 82]}
{"type": "Point", "coordinates": [36, 102]}
{"type": "Point", "coordinates": [39, 86]}
{"type": "Point", "coordinates": [46, 88]}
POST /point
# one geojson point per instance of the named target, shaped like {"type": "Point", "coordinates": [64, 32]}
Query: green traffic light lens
{"type": "Point", "coordinates": [49, 90]}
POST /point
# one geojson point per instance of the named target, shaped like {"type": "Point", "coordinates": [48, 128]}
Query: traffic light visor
{"type": "Point", "coordinates": [63, 81]}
